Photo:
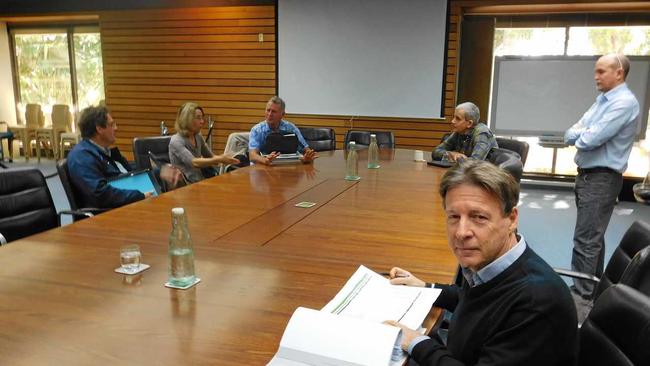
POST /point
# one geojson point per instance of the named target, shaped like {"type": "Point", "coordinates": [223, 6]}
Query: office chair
{"type": "Point", "coordinates": [156, 145]}
{"type": "Point", "coordinates": [508, 160]}
{"type": "Point", "coordinates": [72, 195]}
{"type": "Point", "coordinates": [319, 138]}
{"type": "Point", "coordinates": [617, 330]}
{"type": "Point", "coordinates": [26, 205]}
{"type": "Point", "coordinates": [637, 273]}
{"type": "Point", "coordinates": [636, 238]}
{"type": "Point", "coordinates": [385, 139]}
{"type": "Point", "coordinates": [520, 147]}
{"type": "Point", "coordinates": [237, 146]}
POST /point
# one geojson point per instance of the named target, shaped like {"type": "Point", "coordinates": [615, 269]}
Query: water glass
{"type": "Point", "coordinates": [130, 257]}
{"type": "Point", "coordinates": [418, 155]}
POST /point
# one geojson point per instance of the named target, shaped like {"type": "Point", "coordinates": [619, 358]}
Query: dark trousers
{"type": "Point", "coordinates": [596, 191]}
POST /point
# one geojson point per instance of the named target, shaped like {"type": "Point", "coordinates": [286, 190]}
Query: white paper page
{"type": "Point", "coordinates": [369, 296]}
{"type": "Point", "coordinates": [318, 338]}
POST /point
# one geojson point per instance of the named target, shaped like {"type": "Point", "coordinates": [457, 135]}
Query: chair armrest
{"type": "Point", "coordinates": [574, 274]}
{"type": "Point", "coordinates": [85, 212]}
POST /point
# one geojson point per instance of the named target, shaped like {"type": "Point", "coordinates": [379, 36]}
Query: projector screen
{"type": "Point", "coordinates": [544, 96]}
{"type": "Point", "coordinates": [381, 58]}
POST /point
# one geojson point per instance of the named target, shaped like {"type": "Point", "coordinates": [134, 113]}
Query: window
{"type": "Point", "coordinates": [569, 40]}
{"type": "Point", "coordinates": [529, 41]}
{"type": "Point", "coordinates": [43, 68]}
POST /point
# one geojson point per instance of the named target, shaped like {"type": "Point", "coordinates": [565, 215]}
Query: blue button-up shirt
{"type": "Point", "coordinates": [260, 131]}
{"type": "Point", "coordinates": [485, 274]}
{"type": "Point", "coordinates": [605, 133]}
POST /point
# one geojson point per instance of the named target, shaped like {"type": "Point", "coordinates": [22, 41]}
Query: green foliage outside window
{"type": "Point", "coordinates": [44, 68]}
{"type": "Point", "coordinates": [88, 63]}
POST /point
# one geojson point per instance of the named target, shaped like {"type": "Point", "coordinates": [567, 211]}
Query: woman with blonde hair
{"type": "Point", "coordinates": [187, 149]}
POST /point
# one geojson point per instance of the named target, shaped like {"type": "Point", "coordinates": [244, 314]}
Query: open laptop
{"type": "Point", "coordinates": [141, 180]}
{"type": "Point", "coordinates": [284, 144]}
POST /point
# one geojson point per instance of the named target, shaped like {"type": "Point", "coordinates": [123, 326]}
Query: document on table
{"type": "Point", "coordinates": [349, 329]}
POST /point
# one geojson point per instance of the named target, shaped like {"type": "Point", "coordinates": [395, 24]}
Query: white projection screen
{"type": "Point", "coordinates": [381, 58]}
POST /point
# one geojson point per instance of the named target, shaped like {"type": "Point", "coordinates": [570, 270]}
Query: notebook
{"type": "Point", "coordinates": [141, 180]}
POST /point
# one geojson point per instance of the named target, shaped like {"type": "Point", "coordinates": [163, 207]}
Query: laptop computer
{"type": "Point", "coordinates": [439, 163]}
{"type": "Point", "coordinates": [284, 144]}
{"type": "Point", "coordinates": [141, 180]}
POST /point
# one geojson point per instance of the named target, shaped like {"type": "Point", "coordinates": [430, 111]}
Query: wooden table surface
{"type": "Point", "coordinates": [259, 258]}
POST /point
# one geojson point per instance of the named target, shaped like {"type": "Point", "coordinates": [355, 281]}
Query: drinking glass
{"type": "Point", "coordinates": [130, 257]}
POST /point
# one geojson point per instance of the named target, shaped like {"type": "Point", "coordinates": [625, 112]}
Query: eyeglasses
{"type": "Point", "coordinates": [620, 64]}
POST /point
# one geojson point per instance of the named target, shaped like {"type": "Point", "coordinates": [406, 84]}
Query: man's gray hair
{"type": "Point", "coordinates": [487, 176]}
{"type": "Point", "coordinates": [471, 111]}
{"type": "Point", "coordinates": [277, 101]}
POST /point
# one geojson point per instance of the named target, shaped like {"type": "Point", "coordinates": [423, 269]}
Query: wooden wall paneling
{"type": "Point", "coordinates": [154, 60]}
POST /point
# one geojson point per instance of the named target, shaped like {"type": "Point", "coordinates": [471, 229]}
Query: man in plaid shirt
{"type": "Point", "coordinates": [469, 137]}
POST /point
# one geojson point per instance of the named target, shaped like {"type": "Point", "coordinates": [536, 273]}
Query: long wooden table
{"type": "Point", "coordinates": [259, 257]}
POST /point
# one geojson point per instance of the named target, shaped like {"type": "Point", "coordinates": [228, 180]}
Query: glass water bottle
{"type": "Point", "coordinates": [373, 153]}
{"type": "Point", "coordinates": [352, 163]}
{"type": "Point", "coordinates": [181, 251]}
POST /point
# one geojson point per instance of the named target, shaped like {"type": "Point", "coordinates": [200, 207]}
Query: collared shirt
{"type": "Point", "coordinates": [260, 131]}
{"type": "Point", "coordinates": [475, 144]}
{"type": "Point", "coordinates": [485, 274]}
{"type": "Point", "coordinates": [605, 133]}
{"type": "Point", "coordinates": [107, 151]}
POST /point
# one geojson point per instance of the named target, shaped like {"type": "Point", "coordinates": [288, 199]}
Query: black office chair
{"type": "Point", "coordinates": [637, 273]}
{"type": "Point", "coordinates": [157, 145]}
{"type": "Point", "coordinates": [79, 212]}
{"type": "Point", "coordinates": [26, 205]}
{"type": "Point", "coordinates": [507, 160]}
{"type": "Point", "coordinates": [617, 330]}
{"type": "Point", "coordinates": [385, 139]}
{"type": "Point", "coordinates": [319, 138]}
{"type": "Point", "coordinates": [636, 238]}
{"type": "Point", "coordinates": [520, 147]}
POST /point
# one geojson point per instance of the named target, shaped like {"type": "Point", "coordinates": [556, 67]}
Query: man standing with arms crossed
{"type": "Point", "coordinates": [603, 137]}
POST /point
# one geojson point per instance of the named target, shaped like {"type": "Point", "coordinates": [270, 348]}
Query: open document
{"type": "Point", "coordinates": [349, 331]}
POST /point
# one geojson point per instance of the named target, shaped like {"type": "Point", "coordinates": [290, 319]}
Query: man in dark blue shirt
{"type": "Point", "coordinates": [91, 163]}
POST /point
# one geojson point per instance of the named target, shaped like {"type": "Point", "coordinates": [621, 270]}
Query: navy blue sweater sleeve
{"type": "Point", "coordinates": [89, 173]}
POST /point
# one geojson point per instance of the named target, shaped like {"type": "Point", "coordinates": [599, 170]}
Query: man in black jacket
{"type": "Point", "coordinates": [512, 309]}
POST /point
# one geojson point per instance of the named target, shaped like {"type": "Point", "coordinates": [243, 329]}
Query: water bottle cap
{"type": "Point", "coordinates": [352, 143]}
{"type": "Point", "coordinates": [178, 211]}
{"type": "Point", "coordinates": [373, 135]}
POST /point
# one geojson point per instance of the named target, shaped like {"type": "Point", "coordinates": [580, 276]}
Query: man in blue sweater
{"type": "Point", "coordinates": [92, 162]}
{"type": "Point", "coordinates": [512, 309]}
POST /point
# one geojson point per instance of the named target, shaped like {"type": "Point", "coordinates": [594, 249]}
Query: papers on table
{"type": "Point", "coordinates": [349, 329]}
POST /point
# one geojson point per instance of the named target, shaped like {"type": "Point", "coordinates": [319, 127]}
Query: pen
{"type": "Point", "coordinates": [387, 274]}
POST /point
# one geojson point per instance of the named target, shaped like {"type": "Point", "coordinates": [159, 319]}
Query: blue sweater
{"type": "Point", "coordinates": [89, 169]}
{"type": "Point", "coordinates": [523, 316]}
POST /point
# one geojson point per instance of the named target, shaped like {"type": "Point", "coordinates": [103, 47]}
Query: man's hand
{"type": "Point", "coordinates": [148, 194]}
{"type": "Point", "coordinates": [268, 159]}
{"type": "Point", "coordinates": [170, 174]}
{"type": "Point", "coordinates": [308, 156]}
{"type": "Point", "coordinates": [400, 276]}
{"type": "Point", "coordinates": [408, 334]}
{"type": "Point", "coordinates": [454, 156]}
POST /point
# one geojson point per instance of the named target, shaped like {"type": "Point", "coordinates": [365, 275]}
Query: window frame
{"type": "Point", "coordinates": [69, 29]}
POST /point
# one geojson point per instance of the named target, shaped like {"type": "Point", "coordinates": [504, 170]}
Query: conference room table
{"type": "Point", "coordinates": [259, 257]}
